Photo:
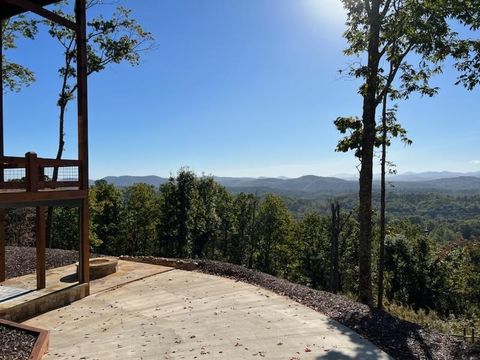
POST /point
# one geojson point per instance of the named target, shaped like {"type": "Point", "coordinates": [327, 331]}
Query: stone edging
{"type": "Point", "coordinates": [187, 265]}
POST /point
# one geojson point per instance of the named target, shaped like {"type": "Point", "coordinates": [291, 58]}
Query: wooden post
{"type": "Point", "coordinates": [464, 334]}
{"type": "Point", "coordinates": [82, 95]}
{"type": "Point", "coordinates": [2, 175]}
{"type": "Point", "coordinates": [32, 171]}
{"type": "Point", "coordinates": [41, 248]}
{"type": "Point", "coordinates": [84, 268]}
{"type": "Point", "coordinates": [1, 103]}
{"type": "Point", "coordinates": [82, 111]}
{"type": "Point", "coordinates": [2, 246]}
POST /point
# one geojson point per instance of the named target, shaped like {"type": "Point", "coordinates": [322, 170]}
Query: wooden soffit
{"type": "Point", "coordinates": [9, 9]}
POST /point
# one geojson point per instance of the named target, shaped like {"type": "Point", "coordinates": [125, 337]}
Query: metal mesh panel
{"type": "Point", "coordinates": [14, 174]}
{"type": "Point", "coordinates": [67, 173]}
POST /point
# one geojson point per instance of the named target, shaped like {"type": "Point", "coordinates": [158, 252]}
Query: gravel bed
{"type": "Point", "coordinates": [400, 339]}
{"type": "Point", "coordinates": [15, 344]}
{"type": "Point", "coordinates": [22, 260]}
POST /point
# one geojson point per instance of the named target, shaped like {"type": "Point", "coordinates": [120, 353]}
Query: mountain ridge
{"type": "Point", "coordinates": [312, 184]}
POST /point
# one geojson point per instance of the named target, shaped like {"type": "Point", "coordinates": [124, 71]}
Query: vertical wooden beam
{"type": "Point", "coordinates": [32, 171]}
{"type": "Point", "coordinates": [82, 98]}
{"type": "Point", "coordinates": [2, 246]}
{"type": "Point", "coordinates": [2, 211]}
{"type": "Point", "coordinates": [82, 111]}
{"type": "Point", "coordinates": [84, 268]}
{"type": "Point", "coordinates": [41, 248]}
{"type": "Point", "coordinates": [1, 102]}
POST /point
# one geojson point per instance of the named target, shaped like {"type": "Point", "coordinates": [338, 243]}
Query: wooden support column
{"type": "Point", "coordinates": [32, 171]}
{"type": "Point", "coordinates": [2, 179]}
{"type": "Point", "coordinates": [2, 246]}
{"type": "Point", "coordinates": [82, 112]}
{"type": "Point", "coordinates": [1, 103]}
{"type": "Point", "coordinates": [84, 268]}
{"type": "Point", "coordinates": [41, 248]}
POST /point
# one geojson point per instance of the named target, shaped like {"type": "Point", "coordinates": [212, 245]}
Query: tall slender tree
{"type": "Point", "coordinates": [336, 227]}
{"type": "Point", "coordinates": [391, 30]}
{"type": "Point", "coordinates": [113, 40]}
{"type": "Point", "coordinates": [389, 128]}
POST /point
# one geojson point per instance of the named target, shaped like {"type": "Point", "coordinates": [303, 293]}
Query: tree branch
{"type": "Point", "coordinates": [393, 72]}
{"type": "Point", "coordinates": [386, 8]}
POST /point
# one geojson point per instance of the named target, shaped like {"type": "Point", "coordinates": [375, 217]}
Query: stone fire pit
{"type": "Point", "coordinates": [101, 267]}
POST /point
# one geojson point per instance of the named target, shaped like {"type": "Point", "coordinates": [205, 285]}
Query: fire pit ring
{"type": "Point", "coordinates": [101, 267]}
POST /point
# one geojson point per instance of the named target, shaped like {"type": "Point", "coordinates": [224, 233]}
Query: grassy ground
{"type": "Point", "coordinates": [431, 320]}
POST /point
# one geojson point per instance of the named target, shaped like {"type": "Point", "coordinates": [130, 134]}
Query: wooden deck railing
{"type": "Point", "coordinates": [29, 173]}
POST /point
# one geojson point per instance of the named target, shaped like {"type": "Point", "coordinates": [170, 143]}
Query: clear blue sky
{"type": "Point", "coordinates": [234, 88]}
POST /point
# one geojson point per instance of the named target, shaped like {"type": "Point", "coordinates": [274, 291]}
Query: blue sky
{"type": "Point", "coordinates": [233, 88]}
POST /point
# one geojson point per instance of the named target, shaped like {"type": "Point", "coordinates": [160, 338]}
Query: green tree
{"type": "Point", "coordinates": [378, 30]}
{"type": "Point", "coordinates": [337, 225]}
{"type": "Point", "coordinates": [115, 40]}
{"type": "Point", "coordinates": [168, 226]}
{"type": "Point", "coordinates": [466, 51]}
{"type": "Point", "coordinates": [274, 236]}
{"type": "Point", "coordinates": [15, 76]}
{"type": "Point", "coordinates": [253, 230]}
{"type": "Point", "coordinates": [312, 232]}
{"type": "Point", "coordinates": [187, 197]}
{"type": "Point", "coordinates": [226, 216]}
{"type": "Point", "coordinates": [65, 228]}
{"type": "Point", "coordinates": [388, 129]}
{"type": "Point", "coordinates": [106, 217]}
{"type": "Point", "coordinates": [238, 249]}
{"type": "Point", "coordinates": [141, 220]}
{"type": "Point", "coordinates": [408, 264]}
{"type": "Point", "coordinates": [206, 220]}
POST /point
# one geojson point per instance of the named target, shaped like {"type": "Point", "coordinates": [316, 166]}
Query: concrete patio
{"type": "Point", "coordinates": [19, 300]}
{"type": "Point", "coordinates": [174, 314]}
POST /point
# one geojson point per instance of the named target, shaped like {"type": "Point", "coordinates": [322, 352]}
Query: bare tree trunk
{"type": "Point", "coordinates": [381, 257]}
{"type": "Point", "coordinates": [62, 103]}
{"type": "Point", "coordinates": [61, 147]}
{"type": "Point", "coordinates": [367, 145]}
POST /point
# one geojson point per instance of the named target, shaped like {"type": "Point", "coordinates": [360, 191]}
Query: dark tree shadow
{"type": "Point", "coordinates": [358, 349]}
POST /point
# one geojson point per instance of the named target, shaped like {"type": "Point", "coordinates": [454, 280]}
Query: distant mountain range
{"type": "Point", "coordinates": [311, 185]}
{"type": "Point", "coordinates": [432, 175]}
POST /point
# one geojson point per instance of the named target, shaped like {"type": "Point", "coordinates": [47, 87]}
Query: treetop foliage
{"type": "Point", "coordinates": [16, 76]}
